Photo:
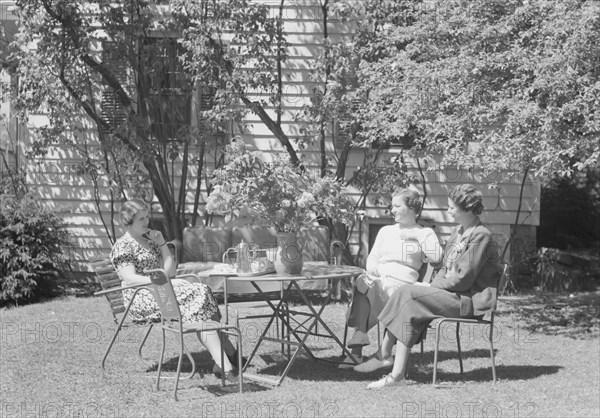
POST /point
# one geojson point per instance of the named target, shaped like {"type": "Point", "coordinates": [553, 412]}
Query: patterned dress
{"type": "Point", "coordinates": [196, 301]}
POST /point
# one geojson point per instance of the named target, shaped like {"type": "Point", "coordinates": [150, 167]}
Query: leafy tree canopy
{"type": "Point", "coordinates": [517, 80]}
{"type": "Point", "coordinates": [133, 69]}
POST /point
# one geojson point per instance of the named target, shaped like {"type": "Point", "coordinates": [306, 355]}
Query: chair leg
{"type": "Point", "coordinates": [492, 351]}
{"type": "Point", "coordinates": [222, 365]}
{"type": "Point", "coordinates": [239, 353]}
{"type": "Point", "coordinates": [191, 358]}
{"type": "Point", "coordinates": [124, 315]}
{"type": "Point", "coordinates": [179, 362]}
{"type": "Point", "coordinates": [160, 360]}
{"type": "Point", "coordinates": [144, 342]}
{"type": "Point", "coordinates": [112, 341]}
{"type": "Point", "coordinates": [435, 354]}
{"type": "Point", "coordinates": [458, 346]}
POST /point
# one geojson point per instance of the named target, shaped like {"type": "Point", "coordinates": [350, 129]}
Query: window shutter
{"type": "Point", "coordinates": [112, 112]}
{"type": "Point", "coordinates": [206, 98]}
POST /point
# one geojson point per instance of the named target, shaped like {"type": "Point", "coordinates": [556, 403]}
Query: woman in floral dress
{"type": "Point", "coordinates": [141, 248]}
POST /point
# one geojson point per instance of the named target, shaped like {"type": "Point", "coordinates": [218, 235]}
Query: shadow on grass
{"type": "Point", "coordinates": [204, 364]}
{"type": "Point", "coordinates": [420, 370]}
{"type": "Point", "coordinates": [326, 369]}
{"type": "Point", "coordinates": [208, 382]}
{"type": "Point", "coordinates": [482, 374]}
{"type": "Point", "coordinates": [427, 356]}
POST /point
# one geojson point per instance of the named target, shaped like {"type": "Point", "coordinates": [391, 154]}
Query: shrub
{"type": "Point", "coordinates": [570, 212]}
{"type": "Point", "coordinates": [32, 242]}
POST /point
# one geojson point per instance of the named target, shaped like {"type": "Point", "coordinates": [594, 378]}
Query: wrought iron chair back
{"type": "Point", "coordinates": [164, 294]}
{"type": "Point", "coordinates": [110, 282]}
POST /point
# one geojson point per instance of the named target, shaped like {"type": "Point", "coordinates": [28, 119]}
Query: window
{"type": "Point", "coordinates": [170, 89]}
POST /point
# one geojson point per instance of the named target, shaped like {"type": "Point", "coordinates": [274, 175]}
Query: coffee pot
{"type": "Point", "coordinates": [243, 258]}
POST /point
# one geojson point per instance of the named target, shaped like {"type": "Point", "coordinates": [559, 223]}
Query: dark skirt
{"type": "Point", "coordinates": [377, 291]}
{"type": "Point", "coordinates": [411, 308]}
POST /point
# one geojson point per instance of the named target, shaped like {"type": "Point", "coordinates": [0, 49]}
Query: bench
{"type": "Point", "coordinates": [203, 248]}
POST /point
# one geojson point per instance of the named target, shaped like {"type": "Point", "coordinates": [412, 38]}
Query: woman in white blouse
{"type": "Point", "coordinates": [397, 255]}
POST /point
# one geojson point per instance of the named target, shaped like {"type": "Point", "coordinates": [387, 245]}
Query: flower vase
{"type": "Point", "coordinates": [288, 257]}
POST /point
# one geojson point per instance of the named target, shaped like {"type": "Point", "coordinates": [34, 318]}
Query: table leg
{"type": "Point", "coordinates": [300, 344]}
{"type": "Point", "coordinates": [317, 316]}
{"type": "Point", "coordinates": [275, 309]}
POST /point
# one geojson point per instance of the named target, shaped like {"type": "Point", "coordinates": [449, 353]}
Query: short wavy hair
{"type": "Point", "coordinates": [131, 208]}
{"type": "Point", "coordinates": [468, 198]}
{"type": "Point", "coordinates": [412, 199]}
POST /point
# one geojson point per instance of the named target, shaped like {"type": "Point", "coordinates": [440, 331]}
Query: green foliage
{"type": "Point", "coordinates": [230, 46]}
{"type": "Point", "coordinates": [32, 245]}
{"type": "Point", "coordinates": [519, 79]}
{"type": "Point", "coordinates": [341, 119]}
{"type": "Point", "coordinates": [288, 197]}
{"type": "Point", "coordinates": [133, 72]}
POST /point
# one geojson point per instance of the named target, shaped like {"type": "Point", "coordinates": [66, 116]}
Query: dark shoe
{"type": "Point", "coordinates": [347, 362]}
{"type": "Point", "coordinates": [374, 364]}
{"type": "Point", "coordinates": [359, 339]}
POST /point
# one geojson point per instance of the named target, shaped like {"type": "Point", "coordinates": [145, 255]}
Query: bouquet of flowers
{"type": "Point", "coordinates": [286, 196]}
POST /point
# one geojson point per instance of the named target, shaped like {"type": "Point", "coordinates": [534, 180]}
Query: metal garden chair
{"type": "Point", "coordinates": [483, 322]}
{"type": "Point", "coordinates": [110, 281]}
{"type": "Point", "coordinates": [162, 290]}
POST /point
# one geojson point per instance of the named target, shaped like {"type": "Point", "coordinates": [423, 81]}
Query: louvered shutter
{"type": "Point", "coordinates": [112, 111]}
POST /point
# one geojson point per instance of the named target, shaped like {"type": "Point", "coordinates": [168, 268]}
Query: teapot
{"type": "Point", "coordinates": [243, 259]}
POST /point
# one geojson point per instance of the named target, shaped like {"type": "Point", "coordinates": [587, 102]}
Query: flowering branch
{"type": "Point", "coordinates": [277, 191]}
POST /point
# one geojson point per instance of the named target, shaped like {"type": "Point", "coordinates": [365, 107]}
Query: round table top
{"type": "Point", "coordinates": [310, 271]}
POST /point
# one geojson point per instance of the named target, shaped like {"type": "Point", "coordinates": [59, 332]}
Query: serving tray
{"type": "Point", "coordinates": [213, 272]}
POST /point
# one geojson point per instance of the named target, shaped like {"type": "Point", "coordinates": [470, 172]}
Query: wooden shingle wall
{"type": "Point", "coordinates": [56, 181]}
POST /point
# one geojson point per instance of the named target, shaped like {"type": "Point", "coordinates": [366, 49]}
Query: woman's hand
{"type": "Point", "coordinates": [169, 264]}
{"type": "Point", "coordinates": [156, 237]}
{"type": "Point", "coordinates": [410, 234]}
{"type": "Point", "coordinates": [422, 284]}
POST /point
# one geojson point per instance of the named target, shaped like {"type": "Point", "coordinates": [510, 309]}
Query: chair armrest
{"type": "Point", "coordinates": [176, 247]}
{"type": "Point", "coordinates": [118, 289]}
{"type": "Point", "coordinates": [164, 273]}
{"type": "Point", "coordinates": [185, 275]}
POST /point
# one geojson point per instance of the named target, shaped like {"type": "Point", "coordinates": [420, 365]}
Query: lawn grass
{"type": "Point", "coordinates": [547, 357]}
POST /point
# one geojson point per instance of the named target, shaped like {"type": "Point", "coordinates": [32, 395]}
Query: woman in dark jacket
{"type": "Point", "coordinates": [465, 287]}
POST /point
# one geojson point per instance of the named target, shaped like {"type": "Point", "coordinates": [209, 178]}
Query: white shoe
{"type": "Point", "coordinates": [347, 362]}
{"type": "Point", "coordinates": [374, 364]}
{"type": "Point", "coordinates": [386, 381]}
{"type": "Point", "coordinates": [359, 339]}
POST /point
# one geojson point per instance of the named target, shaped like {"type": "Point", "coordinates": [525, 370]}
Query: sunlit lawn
{"type": "Point", "coordinates": [50, 366]}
